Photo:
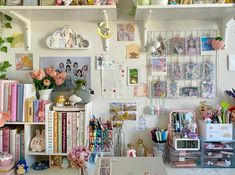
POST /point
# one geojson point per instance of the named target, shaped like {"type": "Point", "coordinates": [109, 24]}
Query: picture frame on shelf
{"type": "Point", "coordinates": [13, 2]}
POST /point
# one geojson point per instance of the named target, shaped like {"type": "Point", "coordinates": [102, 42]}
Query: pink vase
{"type": "Point", "coordinates": [217, 44]}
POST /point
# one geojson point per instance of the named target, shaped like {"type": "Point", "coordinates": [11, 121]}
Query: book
{"type": "Point", "coordinates": [82, 128]}
{"type": "Point", "coordinates": [5, 104]}
{"type": "Point", "coordinates": [29, 116]}
{"type": "Point", "coordinates": [44, 108]}
{"type": "Point", "coordinates": [13, 101]}
{"type": "Point", "coordinates": [55, 141]}
{"type": "Point", "coordinates": [50, 132]}
{"type": "Point", "coordinates": [69, 131]}
{"type": "Point", "coordinates": [74, 129]}
{"type": "Point", "coordinates": [35, 110]}
{"type": "Point", "coordinates": [6, 140]}
{"type": "Point", "coordinates": [9, 99]}
{"type": "Point", "coordinates": [2, 82]}
{"type": "Point", "coordinates": [29, 92]}
{"type": "Point", "coordinates": [69, 108]}
{"type": "Point", "coordinates": [22, 145]}
{"type": "Point", "coordinates": [59, 132]}
{"type": "Point", "coordinates": [20, 93]}
{"type": "Point", "coordinates": [1, 140]}
{"type": "Point", "coordinates": [13, 142]}
{"type": "Point", "coordinates": [17, 147]}
{"type": "Point", "coordinates": [64, 134]}
{"type": "Point", "coordinates": [78, 128]}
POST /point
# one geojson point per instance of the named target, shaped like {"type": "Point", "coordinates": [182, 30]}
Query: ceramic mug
{"type": "Point", "coordinates": [159, 2]}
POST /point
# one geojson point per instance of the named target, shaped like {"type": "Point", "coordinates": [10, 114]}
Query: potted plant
{"type": "Point", "coordinates": [218, 43]}
{"type": "Point", "coordinates": [3, 69]}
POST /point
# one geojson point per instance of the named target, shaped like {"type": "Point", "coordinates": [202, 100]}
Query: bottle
{"type": "Point", "coordinates": [140, 149]}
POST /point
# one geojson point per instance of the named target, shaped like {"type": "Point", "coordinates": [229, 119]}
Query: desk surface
{"type": "Point", "coordinates": [131, 166]}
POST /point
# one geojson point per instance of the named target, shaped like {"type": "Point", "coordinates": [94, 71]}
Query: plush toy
{"type": "Point", "coordinates": [60, 101]}
{"type": "Point", "coordinates": [21, 167]}
{"type": "Point", "coordinates": [65, 163]}
{"type": "Point", "coordinates": [37, 144]}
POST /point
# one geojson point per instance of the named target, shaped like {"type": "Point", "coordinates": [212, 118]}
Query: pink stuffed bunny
{"type": "Point", "coordinates": [37, 144]}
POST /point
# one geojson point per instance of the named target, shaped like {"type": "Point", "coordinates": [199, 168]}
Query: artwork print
{"type": "Point", "coordinates": [177, 45]}
{"type": "Point", "coordinates": [190, 91]}
{"type": "Point", "coordinates": [208, 71]}
{"type": "Point", "coordinates": [172, 89]}
{"type": "Point", "coordinates": [126, 32]}
{"type": "Point", "coordinates": [192, 46]}
{"type": "Point", "coordinates": [159, 66]}
{"type": "Point", "coordinates": [133, 51]}
{"type": "Point", "coordinates": [161, 47]}
{"type": "Point", "coordinates": [206, 47]}
{"type": "Point", "coordinates": [158, 88]}
{"type": "Point", "coordinates": [191, 71]}
{"type": "Point", "coordinates": [207, 89]}
{"type": "Point", "coordinates": [133, 76]}
{"type": "Point", "coordinates": [141, 90]}
{"type": "Point", "coordinates": [75, 67]}
{"type": "Point", "coordinates": [99, 60]}
{"type": "Point", "coordinates": [177, 71]}
{"type": "Point", "coordinates": [24, 61]}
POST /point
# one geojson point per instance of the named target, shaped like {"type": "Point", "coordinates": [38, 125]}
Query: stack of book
{"type": "Point", "coordinates": [12, 141]}
{"type": "Point", "coordinates": [65, 129]}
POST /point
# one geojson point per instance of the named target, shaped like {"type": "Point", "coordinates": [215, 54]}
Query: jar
{"type": "Point", "coordinates": [140, 149]}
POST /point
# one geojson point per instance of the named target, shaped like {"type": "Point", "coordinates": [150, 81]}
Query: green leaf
{"type": "Point", "coordinates": [1, 40]}
{"type": "Point", "coordinates": [4, 49]}
{"type": "Point", "coordinates": [8, 18]}
{"type": "Point", "coordinates": [8, 25]}
{"type": "Point", "coordinates": [10, 39]}
{"type": "Point", "coordinates": [6, 64]}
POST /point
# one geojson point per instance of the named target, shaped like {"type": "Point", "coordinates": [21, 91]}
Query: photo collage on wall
{"type": "Point", "coordinates": [185, 63]}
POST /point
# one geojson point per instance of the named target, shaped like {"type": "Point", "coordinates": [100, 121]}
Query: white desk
{"type": "Point", "coordinates": [133, 166]}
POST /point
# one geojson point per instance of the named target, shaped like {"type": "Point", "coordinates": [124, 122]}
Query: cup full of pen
{"type": "Point", "coordinates": [159, 138]}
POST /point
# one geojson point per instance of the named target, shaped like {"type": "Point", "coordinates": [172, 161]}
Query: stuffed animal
{"type": "Point", "coordinates": [21, 167]}
{"type": "Point", "coordinates": [186, 2]}
{"type": "Point", "coordinates": [65, 163]}
{"type": "Point", "coordinates": [37, 144]}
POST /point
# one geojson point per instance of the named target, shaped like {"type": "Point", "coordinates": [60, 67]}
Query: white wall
{"type": "Point", "coordinates": [117, 50]}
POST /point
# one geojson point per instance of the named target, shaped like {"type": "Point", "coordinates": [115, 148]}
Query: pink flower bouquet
{"type": "Point", "coordinates": [48, 78]}
{"type": "Point", "coordinates": [78, 158]}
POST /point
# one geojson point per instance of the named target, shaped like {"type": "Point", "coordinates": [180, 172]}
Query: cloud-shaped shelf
{"type": "Point", "coordinates": [67, 38]}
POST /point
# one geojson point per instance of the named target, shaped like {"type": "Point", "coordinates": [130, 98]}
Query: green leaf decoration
{"type": "Point", "coordinates": [8, 18]}
{"type": "Point", "coordinates": [1, 40]}
{"type": "Point", "coordinates": [8, 25]}
{"type": "Point", "coordinates": [3, 66]}
{"type": "Point", "coordinates": [220, 38]}
{"type": "Point", "coordinates": [10, 39]}
{"type": "Point", "coordinates": [4, 49]}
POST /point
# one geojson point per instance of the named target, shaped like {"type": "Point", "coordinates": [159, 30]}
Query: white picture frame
{"type": "Point", "coordinates": [206, 47]}
{"type": "Point", "coordinates": [159, 66]}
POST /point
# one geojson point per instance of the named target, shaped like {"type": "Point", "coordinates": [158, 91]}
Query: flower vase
{"type": "Point", "coordinates": [45, 94]}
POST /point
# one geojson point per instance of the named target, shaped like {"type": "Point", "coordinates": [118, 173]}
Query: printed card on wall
{"type": "Point", "coordinates": [191, 71]}
{"type": "Point", "coordinates": [126, 32]}
{"type": "Point", "coordinates": [142, 124]}
{"type": "Point", "coordinates": [192, 46]}
{"type": "Point", "coordinates": [207, 90]}
{"type": "Point", "coordinates": [133, 51]}
{"type": "Point", "coordinates": [75, 67]}
{"type": "Point", "coordinates": [133, 76]}
{"type": "Point", "coordinates": [172, 89]}
{"type": "Point", "coordinates": [191, 91]}
{"type": "Point", "coordinates": [158, 88]}
{"type": "Point", "coordinates": [141, 90]}
{"type": "Point", "coordinates": [99, 60]}
{"type": "Point", "coordinates": [113, 79]}
{"type": "Point", "coordinates": [206, 47]}
{"type": "Point", "coordinates": [159, 66]}
{"type": "Point", "coordinates": [177, 46]}
{"type": "Point", "coordinates": [176, 71]}
{"type": "Point", "coordinates": [24, 61]}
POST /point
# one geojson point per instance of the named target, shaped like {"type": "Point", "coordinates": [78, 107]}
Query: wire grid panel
{"type": "Point", "coordinates": [191, 67]}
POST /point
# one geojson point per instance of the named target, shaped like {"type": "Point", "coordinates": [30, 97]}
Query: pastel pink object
{"type": "Point", "coordinates": [13, 101]}
{"type": "Point", "coordinates": [217, 44]}
{"type": "Point", "coordinates": [5, 160]}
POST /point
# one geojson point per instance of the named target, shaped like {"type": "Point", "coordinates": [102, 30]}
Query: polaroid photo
{"type": "Point", "coordinates": [158, 88]}
{"type": "Point", "coordinates": [126, 32]}
{"type": "Point", "coordinates": [141, 90]}
{"type": "Point", "coordinates": [133, 76]}
{"type": "Point", "coordinates": [161, 46]}
{"type": "Point", "coordinates": [191, 71]}
{"type": "Point", "coordinates": [177, 46]}
{"type": "Point", "coordinates": [190, 91]}
{"type": "Point", "coordinates": [99, 61]}
{"type": "Point", "coordinates": [24, 61]}
{"type": "Point", "coordinates": [159, 66]}
{"type": "Point", "coordinates": [208, 71]}
{"type": "Point", "coordinates": [207, 90]}
{"type": "Point", "coordinates": [176, 71]}
{"type": "Point", "coordinates": [206, 47]}
{"type": "Point", "coordinates": [192, 46]}
{"type": "Point", "coordinates": [172, 89]}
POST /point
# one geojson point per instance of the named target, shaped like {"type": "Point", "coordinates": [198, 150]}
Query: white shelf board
{"type": "Point", "coordinates": [14, 123]}
{"type": "Point", "coordinates": [34, 123]}
{"type": "Point", "coordinates": [45, 154]}
{"type": "Point", "coordinates": [185, 12]}
{"type": "Point", "coordinates": [63, 13]}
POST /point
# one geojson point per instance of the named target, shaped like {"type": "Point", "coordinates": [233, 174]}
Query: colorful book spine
{"type": "Point", "coordinates": [69, 131]}
{"type": "Point", "coordinates": [5, 104]}
{"type": "Point", "coordinates": [74, 129]}
{"type": "Point", "coordinates": [64, 134]}
{"type": "Point", "coordinates": [6, 140]}
{"type": "Point", "coordinates": [13, 101]}
{"type": "Point", "coordinates": [13, 142]}
{"type": "Point", "coordinates": [29, 92]}
{"type": "Point", "coordinates": [35, 110]}
{"type": "Point", "coordinates": [9, 99]}
{"type": "Point", "coordinates": [30, 110]}
{"type": "Point", "coordinates": [20, 93]}
{"type": "Point", "coordinates": [82, 128]}
{"type": "Point", "coordinates": [50, 132]}
{"type": "Point", "coordinates": [22, 145]}
{"type": "Point", "coordinates": [78, 129]}
{"type": "Point", "coordinates": [17, 147]}
{"type": "Point", "coordinates": [55, 141]}
{"type": "Point", "coordinates": [1, 140]}
{"type": "Point", "coordinates": [59, 132]}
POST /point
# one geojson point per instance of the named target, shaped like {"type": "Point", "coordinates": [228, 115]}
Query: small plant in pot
{"type": "Point", "coordinates": [218, 43]}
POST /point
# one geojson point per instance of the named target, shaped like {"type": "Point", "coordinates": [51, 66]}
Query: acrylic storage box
{"type": "Point", "coordinates": [185, 159]}
{"type": "Point", "coordinates": [218, 154]}
{"type": "Point", "coordinates": [213, 132]}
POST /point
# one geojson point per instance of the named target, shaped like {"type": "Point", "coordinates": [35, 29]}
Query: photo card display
{"type": "Point", "coordinates": [207, 90]}
{"type": "Point", "coordinates": [177, 45]}
{"type": "Point", "coordinates": [191, 71]}
{"type": "Point", "coordinates": [208, 70]}
{"type": "Point", "coordinates": [159, 65]}
{"type": "Point", "coordinates": [158, 88]}
{"type": "Point", "coordinates": [172, 89]}
{"type": "Point", "coordinates": [206, 46]}
{"type": "Point", "coordinates": [190, 91]}
{"type": "Point", "coordinates": [192, 46]}
{"type": "Point", "coordinates": [177, 71]}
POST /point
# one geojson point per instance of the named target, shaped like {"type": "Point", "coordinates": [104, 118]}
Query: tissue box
{"type": "Point", "coordinates": [215, 132]}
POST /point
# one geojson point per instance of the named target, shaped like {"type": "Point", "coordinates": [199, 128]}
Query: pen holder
{"type": "Point", "coordinates": [160, 149]}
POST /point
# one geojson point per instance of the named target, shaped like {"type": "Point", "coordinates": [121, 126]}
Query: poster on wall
{"type": "Point", "coordinates": [24, 61]}
{"type": "Point", "coordinates": [75, 67]}
{"type": "Point", "coordinates": [126, 32]}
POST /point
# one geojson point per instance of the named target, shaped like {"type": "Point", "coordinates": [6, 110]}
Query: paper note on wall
{"type": "Point", "coordinates": [231, 62]}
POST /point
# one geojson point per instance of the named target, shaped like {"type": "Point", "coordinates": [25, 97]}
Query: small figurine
{"type": "Point", "coordinates": [110, 2]}
{"type": "Point", "coordinates": [21, 167]}
{"type": "Point", "coordinates": [67, 103]}
{"type": "Point", "coordinates": [90, 2]}
{"type": "Point", "coordinates": [37, 144]}
{"type": "Point", "coordinates": [67, 2]}
{"type": "Point", "coordinates": [60, 101]}
{"type": "Point", "coordinates": [64, 163]}
{"type": "Point", "coordinates": [58, 2]}
{"type": "Point", "coordinates": [173, 2]}
{"type": "Point", "coordinates": [131, 152]}
{"type": "Point", "coordinates": [232, 114]}
{"type": "Point", "coordinates": [140, 149]}
{"type": "Point", "coordinates": [97, 2]}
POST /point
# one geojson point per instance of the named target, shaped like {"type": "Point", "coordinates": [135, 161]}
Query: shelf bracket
{"type": "Point", "coordinates": [224, 28]}
{"type": "Point", "coordinates": [27, 24]}
{"type": "Point", "coordinates": [106, 40]}
{"type": "Point", "coordinates": [145, 28]}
